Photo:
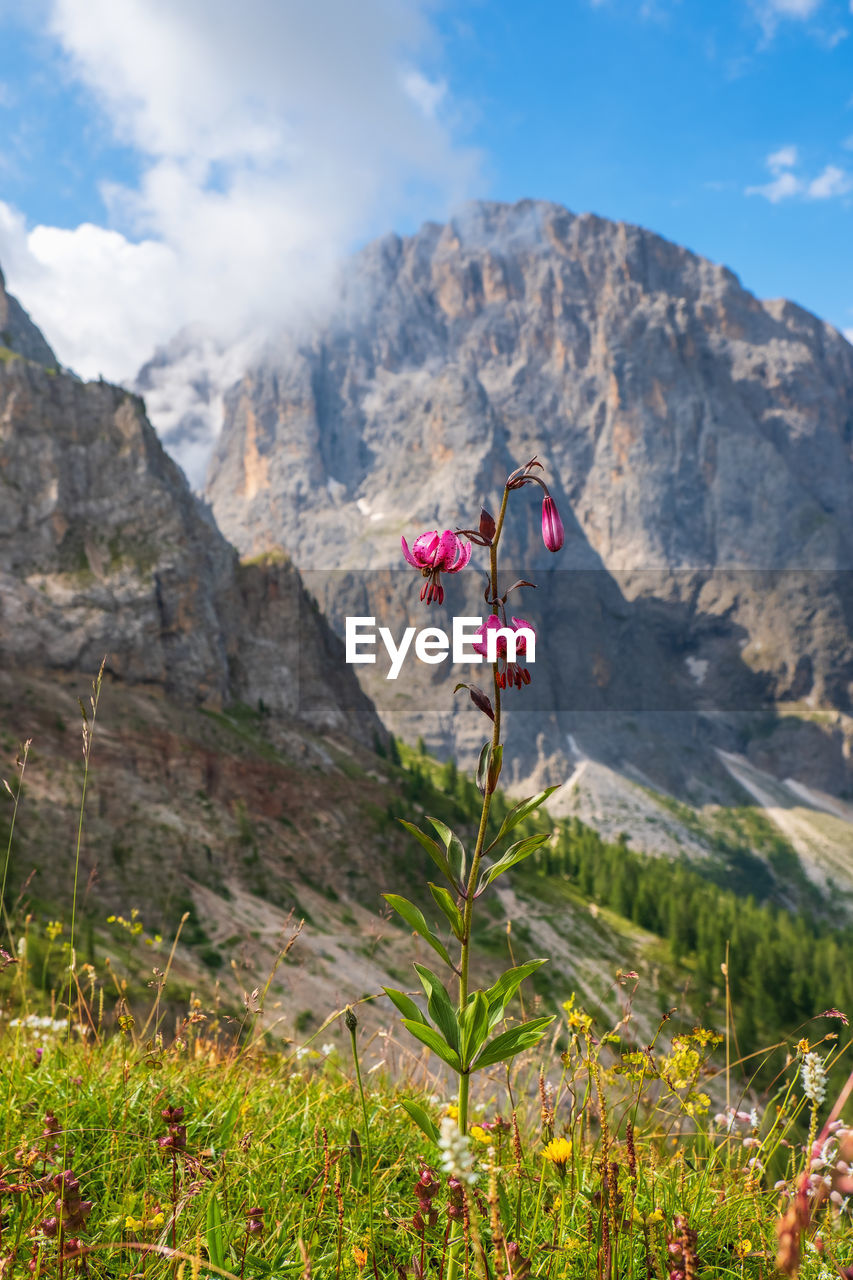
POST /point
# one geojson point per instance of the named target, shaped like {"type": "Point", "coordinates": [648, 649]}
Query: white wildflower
{"type": "Point", "coordinates": [457, 1159]}
{"type": "Point", "coordinates": [813, 1078]}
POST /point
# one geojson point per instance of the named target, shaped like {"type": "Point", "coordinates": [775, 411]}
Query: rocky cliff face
{"type": "Point", "coordinates": [104, 550]}
{"type": "Point", "coordinates": [18, 334]}
{"type": "Point", "coordinates": [700, 440]}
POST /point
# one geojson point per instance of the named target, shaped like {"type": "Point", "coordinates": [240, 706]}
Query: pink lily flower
{"type": "Point", "coordinates": [509, 673]}
{"type": "Point", "coordinates": [435, 554]}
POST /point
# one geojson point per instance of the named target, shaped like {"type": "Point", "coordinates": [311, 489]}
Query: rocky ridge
{"type": "Point", "coordinates": [700, 444]}
{"type": "Point", "coordinates": [105, 551]}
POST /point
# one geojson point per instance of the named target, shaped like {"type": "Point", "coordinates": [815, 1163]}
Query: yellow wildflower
{"type": "Point", "coordinates": [743, 1247]}
{"type": "Point", "coordinates": [559, 1152]}
{"type": "Point", "coordinates": [360, 1256]}
{"type": "Point", "coordinates": [452, 1111]}
{"type": "Point", "coordinates": [477, 1131]}
{"type": "Point", "coordinates": [803, 1046]}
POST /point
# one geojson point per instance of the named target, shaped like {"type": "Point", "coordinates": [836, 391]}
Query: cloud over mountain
{"type": "Point", "coordinates": [271, 138]}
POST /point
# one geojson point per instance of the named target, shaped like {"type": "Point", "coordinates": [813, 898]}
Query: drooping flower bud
{"type": "Point", "coordinates": [552, 526]}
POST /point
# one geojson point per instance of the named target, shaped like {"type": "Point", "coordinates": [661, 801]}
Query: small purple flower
{"type": "Point", "coordinates": [553, 532]}
{"type": "Point", "coordinates": [435, 554]}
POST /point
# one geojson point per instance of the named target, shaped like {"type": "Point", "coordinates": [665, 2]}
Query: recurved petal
{"type": "Point", "coordinates": [464, 549]}
{"type": "Point", "coordinates": [407, 553]}
{"type": "Point", "coordinates": [446, 551]}
{"type": "Point", "coordinates": [424, 549]}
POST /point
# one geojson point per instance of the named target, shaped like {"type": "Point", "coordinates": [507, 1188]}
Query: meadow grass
{"type": "Point", "coordinates": [215, 1154]}
{"type": "Point", "coordinates": [137, 1143]}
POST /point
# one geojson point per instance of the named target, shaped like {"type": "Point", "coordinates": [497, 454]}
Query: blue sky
{"type": "Point", "coordinates": [163, 161]}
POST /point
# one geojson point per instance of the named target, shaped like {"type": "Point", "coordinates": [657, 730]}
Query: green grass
{"type": "Point", "coordinates": [283, 1132]}
{"type": "Point", "coordinates": [272, 1176]}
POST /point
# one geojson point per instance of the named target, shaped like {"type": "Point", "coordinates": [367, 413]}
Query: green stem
{"type": "Point", "coordinates": [352, 1024]}
{"type": "Point", "coordinates": [471, 887]}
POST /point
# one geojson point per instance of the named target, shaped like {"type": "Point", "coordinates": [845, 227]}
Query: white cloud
{"type": "Point", "coordinates": [792, 8]}
{"type": "Point", "coordinates": [273, 137]}
{"type": "Point", "coordinates": [781, 188]}
{"type": "Point", "coordinates": [771, 12]}
{"type": "Point", "coordinates": [784, 158]}
{"type": "Point", "coordinates": [99, 298]}
{"type": "Point", "coordinates": [848, 333]}
{"type": "Point", "coordinates": [425, 93]}
{"type": "Point", "coordinates": [832, 182]}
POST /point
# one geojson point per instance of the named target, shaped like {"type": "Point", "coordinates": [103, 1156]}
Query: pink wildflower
{"type": "Point", "coordinates": [509, 673]}
{"type": "Point", "coordinates": [435, 554]}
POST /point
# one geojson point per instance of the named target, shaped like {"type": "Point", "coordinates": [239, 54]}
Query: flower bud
{"type": "Point", "coordinates": [552, 526]}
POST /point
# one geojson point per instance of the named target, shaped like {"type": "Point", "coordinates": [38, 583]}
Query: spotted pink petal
{"type": "Point", "coordinates": [424, 549]}
{"type": "Point", "coordinates": [446, 551]}
{"type": "Point", "coordinates": [465, 549]}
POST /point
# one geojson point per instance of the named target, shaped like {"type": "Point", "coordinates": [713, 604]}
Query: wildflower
{"type": "Point", "coordinates": [255, 1221]}
{"type": "Point", "coordinates": [359, 1257]}
{"type": "Point", "coordinates": [813, 1078]}
{"type": "Point", "coordinates": [456, 1156]}
{"type": "Point", "coordinates": [478, 1132]}
{"type": "Point", "coordinates": [552, 526]}
{"type": "Point", "coordinates": [435, 554]}
{"type": "Point", "coordinates": [509, 673]}
{"type": "Point", "coordinates": [426, 1187]}
{"type": "Point", "coordinates": [559, 1152]}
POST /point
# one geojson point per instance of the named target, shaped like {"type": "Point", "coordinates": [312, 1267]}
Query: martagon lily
{"type": "Point", "coordinates": [435, 554]}
{"type": "Point", "coordinates": [508, 673]}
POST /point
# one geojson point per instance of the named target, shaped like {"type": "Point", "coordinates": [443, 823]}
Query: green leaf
{"type": "Point", "coordinates": [256, 1266]}
{"type": "Point", "coordinates": [473, 1027]}
{"type": "Point", "coordinates": [405, 1004]}
{"type": "Point", "coordinates": [515, 853]}
{"type": "Point", "coordinates": [499, 996]}
{"type": "Point", "coordinates": [446, 904]}
{"type": "Point", "coordinates": [356, 1157]}
{"type": "Point", "coordinates": [213, 1233]}
{"type": "Point", "coordinates": [421, 1119]}
{"type": "Point", "coordinates": [434, 850]}
{"type": "Point", "coordinates": [414, 917]}
{"type": "Point", "coordinates": [439, 1006]}
{"type": "Point", "coordinates": [509, 1043]}
{"type": "Point", "coordinates": [483, 767]}
{"type": "Point", "coordinates": [430, 1037]}
{"type": "Point", "coordinates": [522, 811]}
{"type": "Point", "coordinates": [454, 850]}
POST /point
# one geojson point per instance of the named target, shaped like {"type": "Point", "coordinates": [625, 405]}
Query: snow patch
{"type": "Point", "coordinates": [698, 668]}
